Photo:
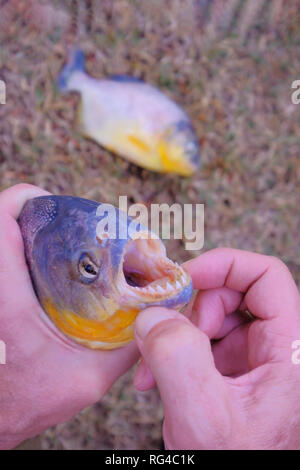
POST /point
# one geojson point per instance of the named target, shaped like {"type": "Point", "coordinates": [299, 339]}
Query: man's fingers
{"type": "Point", "coordinates": [269, 288]}
{"type": "Point", "coordinates": [210, 308]}
{"type": "Point", "coordinates": [180, 359]}
{"type": "Point", "coordinates": [12, 259]}
{"type": "Point", "coordinates": [143, 379]}
{"type": "Point", "coordinates": [13, 199]}
{"type": "Point", "coordinates": [226, 267]}
{"type": "Point", "coordinates": [231, 352]}
{"type": "Point", "coordinates": [270, 294]}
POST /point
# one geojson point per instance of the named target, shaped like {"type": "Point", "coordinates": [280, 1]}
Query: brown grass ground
{"type": "Point", "coordinates": [236, 87]}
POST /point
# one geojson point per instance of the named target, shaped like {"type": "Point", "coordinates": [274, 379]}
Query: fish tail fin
{"type": "Point", "coordinates": [75, 63]}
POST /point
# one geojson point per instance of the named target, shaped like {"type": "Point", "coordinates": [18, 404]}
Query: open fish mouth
{"type": "Point", "coordinates": [147, 272]}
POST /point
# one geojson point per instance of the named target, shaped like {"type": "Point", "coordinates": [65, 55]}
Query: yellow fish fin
{"type": "Point", "coordinates": [139, 143]}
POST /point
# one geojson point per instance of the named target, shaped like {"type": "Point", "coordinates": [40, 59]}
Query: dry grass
{"type": "Point", "coordinates": [231, 72]}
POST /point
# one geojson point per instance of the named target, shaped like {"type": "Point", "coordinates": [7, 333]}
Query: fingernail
{"type": "Point", "coordinates": [149, 318]}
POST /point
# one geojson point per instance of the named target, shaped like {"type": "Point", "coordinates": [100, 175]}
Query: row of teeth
{"type": "Point", "coordinates": [168, 287]}
{"type": "Point", "coordinates": [158, 289]}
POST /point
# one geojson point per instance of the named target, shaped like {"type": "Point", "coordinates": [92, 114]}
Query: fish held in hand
{"type": "Point", "coordinates": [93, 286]}
{"type": "Point", "coordinates": [132, 118]}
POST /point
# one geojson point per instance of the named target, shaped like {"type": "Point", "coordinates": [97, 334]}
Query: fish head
{"type": "Point", "coordinates": [92, 282]}
{"type": "Point", "coordinates": [179, 149]}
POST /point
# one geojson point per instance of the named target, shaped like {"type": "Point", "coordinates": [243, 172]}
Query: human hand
{"type": "Point", "coordinates": [241, 391]}
{"type": "Point", "coordinates": [47, 378]}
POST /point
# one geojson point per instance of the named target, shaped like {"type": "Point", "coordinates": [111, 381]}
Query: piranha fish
{"type": "Point", "coordinates": [132, 118]}
{"type": "Point", "coordinates": [93, 286]}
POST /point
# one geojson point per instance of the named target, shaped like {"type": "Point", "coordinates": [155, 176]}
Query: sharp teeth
{"type": "Point", "coordinates": [169, 286]}
{"type": "Point", "coordinates": [151, 289]}
{"type": "Point", "coordinates": [159, 289]}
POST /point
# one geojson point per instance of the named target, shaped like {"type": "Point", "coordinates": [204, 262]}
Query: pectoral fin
{"type": "Point", "coordinates": [139, 143]}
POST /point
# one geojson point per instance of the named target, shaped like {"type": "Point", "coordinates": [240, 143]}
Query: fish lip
{"type": "Point", "coordinates": [167, 279]}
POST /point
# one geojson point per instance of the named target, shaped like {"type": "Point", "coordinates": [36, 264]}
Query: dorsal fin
{"type": "Point", "coordinates": [126, 78]}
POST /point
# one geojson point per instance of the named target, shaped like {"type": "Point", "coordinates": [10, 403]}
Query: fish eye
{"type": "Point", "coordinates": [88, 268]}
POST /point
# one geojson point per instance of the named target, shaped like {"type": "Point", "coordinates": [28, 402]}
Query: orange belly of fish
{"type": "Point", "coordinates": [113, 332]}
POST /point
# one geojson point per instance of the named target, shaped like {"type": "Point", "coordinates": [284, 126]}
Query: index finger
{"type": "Point", "coordinates": [270, 291]}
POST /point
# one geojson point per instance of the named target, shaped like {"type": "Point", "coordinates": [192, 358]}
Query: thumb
{"type": "Point", "coordinates": [179, 357]}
